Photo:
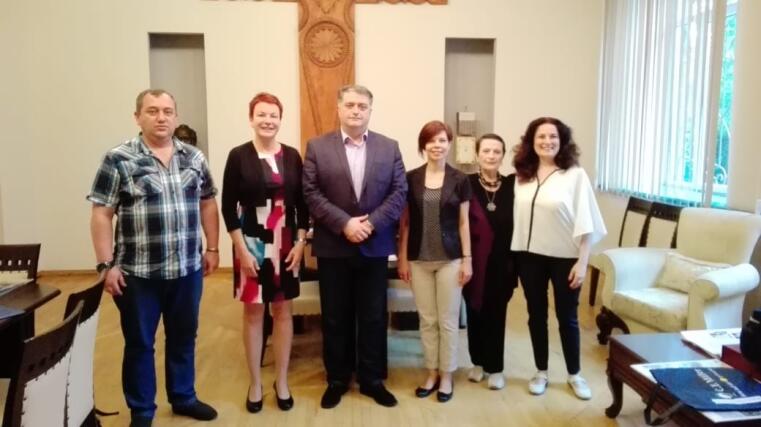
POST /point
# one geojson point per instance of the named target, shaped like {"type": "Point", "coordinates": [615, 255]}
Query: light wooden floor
{"type": "Point", "coordinates": [222, 377]}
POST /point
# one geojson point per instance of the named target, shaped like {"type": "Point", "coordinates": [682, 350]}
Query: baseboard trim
{"type": "Point", "coordinates": [64, 273]}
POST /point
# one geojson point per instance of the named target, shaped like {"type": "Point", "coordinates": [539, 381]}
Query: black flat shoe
{"type": "Point", "coordinates": [254, 407]}
{"type": "Point", "coordinates": [283, 404]}
{"type": "Point", "coordinates": [445, 397]}
{"type": "Point", "coordinates": [425, 392]}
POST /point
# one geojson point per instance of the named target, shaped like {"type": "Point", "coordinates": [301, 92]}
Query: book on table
{"type": "Point", "coordinates": [732, 356]}
{"type": "Point", "coordinates": [710, 341]}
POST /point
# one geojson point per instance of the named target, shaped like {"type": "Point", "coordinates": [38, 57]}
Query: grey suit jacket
{"type": "Point", "coordinates": [330, 196]}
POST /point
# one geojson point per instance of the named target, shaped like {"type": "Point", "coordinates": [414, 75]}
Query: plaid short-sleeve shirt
{"type": "Point", "coordinates": [158, 227]}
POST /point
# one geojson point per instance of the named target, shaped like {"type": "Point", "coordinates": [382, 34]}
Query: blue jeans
{"type": "Point", "coordinates": [142, 303]}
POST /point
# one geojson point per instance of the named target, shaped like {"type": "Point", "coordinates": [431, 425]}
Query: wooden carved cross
{"type": "Point", "coordinates": [326, 58]}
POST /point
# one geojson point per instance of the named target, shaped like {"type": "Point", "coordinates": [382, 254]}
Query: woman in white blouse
{"type": "Point", "coordinates": [556, 221]}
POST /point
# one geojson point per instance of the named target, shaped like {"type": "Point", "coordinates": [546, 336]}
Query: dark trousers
{"type": "Point", "coordinates": [486, 327]}
{"type": "Point", "coordinates": [142, 303]}
{"type": "Point", "coordinates": [354, 317]}
{"type": "Point", "coordinates": [534, 272]}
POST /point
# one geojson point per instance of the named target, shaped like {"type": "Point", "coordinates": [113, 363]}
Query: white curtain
{"type": "Point", "coordinates": [655, 117]}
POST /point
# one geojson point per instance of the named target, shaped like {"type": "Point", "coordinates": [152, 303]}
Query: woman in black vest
{"type": "Point", "coordinates": [434, 254]}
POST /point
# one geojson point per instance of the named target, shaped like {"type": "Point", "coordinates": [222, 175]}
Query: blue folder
{"type": "Point", "coordinates": [711, 389]}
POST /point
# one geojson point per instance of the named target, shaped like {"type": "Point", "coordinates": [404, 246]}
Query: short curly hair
{"type": "Point", "coordinates": [526, 162]}
{"type": "Point", "coordinates": [267, 98]}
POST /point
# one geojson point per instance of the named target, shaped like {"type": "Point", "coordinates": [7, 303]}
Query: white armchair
{"type": "Point", "coordinates": [710, 263]}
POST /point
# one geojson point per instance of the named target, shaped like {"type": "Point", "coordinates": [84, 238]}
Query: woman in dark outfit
{"type": "Point", "coordinates": [494, 277]}
{"type": "Point", "coordinates": [267, 219]}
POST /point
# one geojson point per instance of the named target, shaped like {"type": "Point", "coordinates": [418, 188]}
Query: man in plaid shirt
{"type": "Point", "coordinates": [162, 194]}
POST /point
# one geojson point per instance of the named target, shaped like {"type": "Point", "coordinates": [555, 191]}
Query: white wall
{"type": "Point", "coordinates": [547, 57]}
{"type": "Point", "coordinates": [71, 71]}
{"type": "Point", "coordinates": [745, 173]}
{"type": "Point", "coordinates": [745, 155]}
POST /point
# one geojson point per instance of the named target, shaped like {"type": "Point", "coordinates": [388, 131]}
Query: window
{"type": "Point", "coordinates": [723, 132]}
{"type": "Point", "coordinates": [666, 96]}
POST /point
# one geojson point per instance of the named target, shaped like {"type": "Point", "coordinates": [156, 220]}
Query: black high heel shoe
{"type": "Point", "coordinates": [445, 397]}
{"type": "Point", "coordinates": [283, 404]}
{"type": "Point", "coordinates": [425, 392]}
{"type": "Point", "coordinates": [254, 407]}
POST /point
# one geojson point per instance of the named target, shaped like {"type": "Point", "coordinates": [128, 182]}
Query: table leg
{"type": "Point", "coordinates": [617, 390]}
{"type": "Point", "coordinates": [11, 341]}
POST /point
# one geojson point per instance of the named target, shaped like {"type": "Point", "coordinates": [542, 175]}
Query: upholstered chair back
{"type": "Point", "coordinates": [80, 398]}
{"type": "Point", "coordinates": [718, 235]}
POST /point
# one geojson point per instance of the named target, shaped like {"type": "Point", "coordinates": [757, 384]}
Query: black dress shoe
{"type": "Point", "coordinates": [141, 422]}
{"type": "Point", "coordinates": [332, 396]}
{"type": "Point", "coordinates": [253, 407]}
{"type": "Point", "coordinates": [425, 392]}
{"type": "Point", "coordinates": [283, 404]}
{"type": "Point", "coordinates": [196, 410]}
{"type": "Point", "coordinates": [379, 393]}
{"type": "Point", "coordinates": [445, 397]}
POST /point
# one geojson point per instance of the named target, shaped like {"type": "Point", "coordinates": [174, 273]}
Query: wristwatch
{"type": "Point", "coordinates": [103, 266]}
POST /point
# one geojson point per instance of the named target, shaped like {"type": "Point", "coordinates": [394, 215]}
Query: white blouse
{"type": "Point", "coordinates": [551, 219]}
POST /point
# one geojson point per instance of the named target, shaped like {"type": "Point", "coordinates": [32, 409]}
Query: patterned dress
{"type": "Point", "coordinates": [269, 240]}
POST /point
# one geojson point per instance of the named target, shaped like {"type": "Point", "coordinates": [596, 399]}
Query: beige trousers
{"type": "Point", "coordinates": [438, 297]}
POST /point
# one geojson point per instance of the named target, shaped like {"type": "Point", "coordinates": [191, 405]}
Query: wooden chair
{"type": "Point", "coordinates": [633, 233]}
{"type": "Point", "coordinates": [80, 397]}
{"type": "Point", "coordinates": [37, 391]}
{"type": "Point", "coordinates": [14, 258]}
{"type": "Point", "coordinates": [663, 213]}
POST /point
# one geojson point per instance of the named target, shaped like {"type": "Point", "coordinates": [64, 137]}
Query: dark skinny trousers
{"type": "Point", "coordinates": [486, 327]}
{"type": "Point", "coordinates": [534, 272]}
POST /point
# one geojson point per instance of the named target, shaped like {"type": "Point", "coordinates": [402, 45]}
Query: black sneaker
{"type": "Point", "coordinates": [196, 410]}
{"type": "Point", "coordinates": [332, 396]}
{"type": "Point", "coordinates": [379, 393]}
{"type": "Point", "coordinates": [141, 422]}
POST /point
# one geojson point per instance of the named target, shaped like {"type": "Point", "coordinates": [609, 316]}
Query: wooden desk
{"type": "Point", "coordinates": [27, 298]}
{"type": "Point", "coordinates": [16, 329]}
{"type": "Point", "coordinates": [626, 350]}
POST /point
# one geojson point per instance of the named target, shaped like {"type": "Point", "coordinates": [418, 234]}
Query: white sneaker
{"type": "Point", "coordinates": [538, 384]}
{"type": "Point", "coordinates": [476, 374]}
{"type": "Point", "coordinates": [496, 381]}
{"type": "Point", "coordinates": [580, 387]}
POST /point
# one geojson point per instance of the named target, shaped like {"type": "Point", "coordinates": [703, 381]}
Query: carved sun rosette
{"type": "Point", "coordinates": [327, 44]}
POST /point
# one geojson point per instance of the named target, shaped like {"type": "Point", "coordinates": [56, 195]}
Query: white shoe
{"type": "Point", "coordinates": [496, 381]}
{"type": "Point", "coordinates": [580, 387]}
{"type": "Point", "coordinates": [538, 384]}
{"type": "Point", "coordinates": [476, 374]}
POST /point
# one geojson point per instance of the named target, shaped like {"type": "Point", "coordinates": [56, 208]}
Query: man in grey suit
{"type": "Point", "coordinates": [355, 187]}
